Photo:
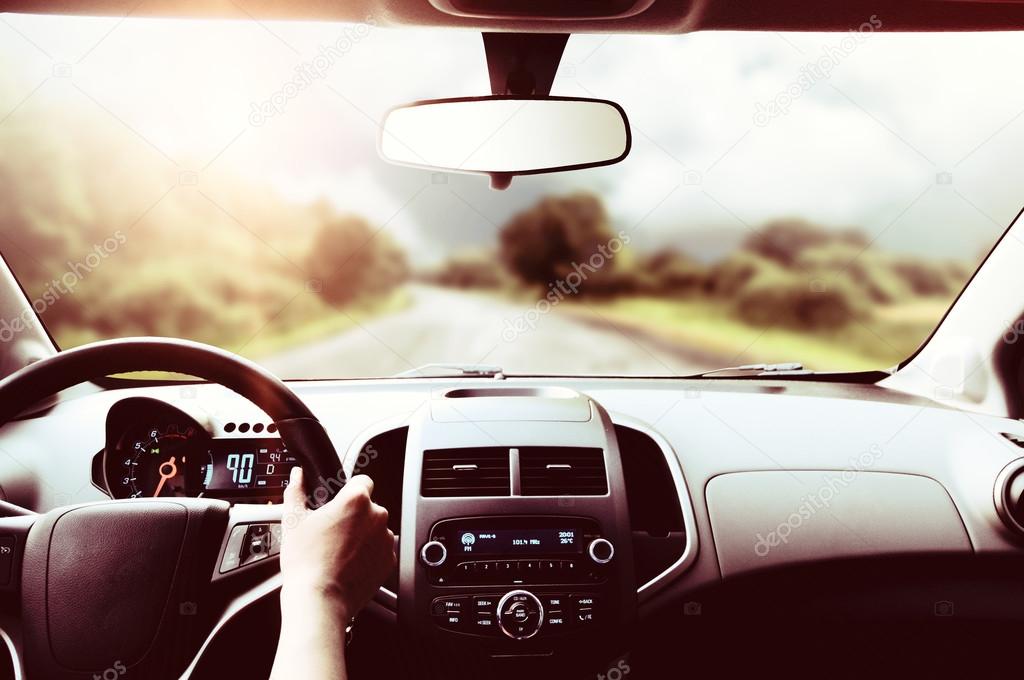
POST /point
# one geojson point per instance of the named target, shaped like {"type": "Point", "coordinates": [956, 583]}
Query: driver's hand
{"type": "Point", "coordinates": [337, 555]}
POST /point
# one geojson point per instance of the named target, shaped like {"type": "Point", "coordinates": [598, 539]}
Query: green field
{"type": "Point", "coordinates": [892, 334]}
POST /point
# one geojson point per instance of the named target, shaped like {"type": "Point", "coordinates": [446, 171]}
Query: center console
{"type": "Point", "coordinates": [516, 534]}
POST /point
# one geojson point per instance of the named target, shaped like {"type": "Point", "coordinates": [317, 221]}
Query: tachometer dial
{"type": "Point", "coordinates": [153, 462]}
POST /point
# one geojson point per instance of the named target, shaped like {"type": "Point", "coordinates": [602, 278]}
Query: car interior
{"type": "Point", "coordinates": [758, 520]}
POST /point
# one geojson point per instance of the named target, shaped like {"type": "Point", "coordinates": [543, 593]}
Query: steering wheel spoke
{"type": "Point", "coordinates": [14, 529]}
{"type": "Point", "coordinates": [251, 542]}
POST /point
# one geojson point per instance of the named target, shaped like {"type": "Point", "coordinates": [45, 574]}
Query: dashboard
{"type": "Point", "coordinates": [548, 519]}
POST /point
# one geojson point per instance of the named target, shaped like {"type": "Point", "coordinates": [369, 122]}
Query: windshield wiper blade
{"type": "Point", "coordinates": [758, 370]}
{"type": "Point", "coordinates": [464, 370]}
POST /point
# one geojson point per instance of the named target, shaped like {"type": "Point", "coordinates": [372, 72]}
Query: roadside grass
{"type": "Point", "coordinates": [888, 337]}
{"type": "Point", "coordinates": [305, 320]}
{"type": "Point", "coordinates": [295, 330]}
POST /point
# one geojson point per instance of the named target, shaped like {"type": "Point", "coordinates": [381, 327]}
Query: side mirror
{"type": "Point", "coordinates": [504, 136]}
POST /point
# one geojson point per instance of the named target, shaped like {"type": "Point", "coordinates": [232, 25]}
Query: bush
{"type": "Point", "coordinates": [470, 270]}
{"type": "Point", "coordinates": [926, 278]}
{"type": "Point", "coordinates": [797, 304]}
{"type": "Point", "coordinates": [612, 282]}
{"type": "Point", "coordinates": [783, 241]}
{"type": "Point", "coordinates": [541, 245]}
{"type": "Point", "coordinates": [867, 270]}
{"type": "Point", "coordinates": [728, 277]}
{"type": "Point", "coordinates": [671, 273]}
{"type": "Point", "coordinates": [350, 260]}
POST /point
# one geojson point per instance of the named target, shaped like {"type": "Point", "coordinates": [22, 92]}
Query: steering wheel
{"type": "Point", "coordinates": [138, 584]}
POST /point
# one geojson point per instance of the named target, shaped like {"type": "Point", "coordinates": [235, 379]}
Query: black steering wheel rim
{"type": "Point", "coordinates": [300, 430]}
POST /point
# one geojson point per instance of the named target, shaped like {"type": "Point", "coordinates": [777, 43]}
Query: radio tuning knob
{"type": "Point", "coordinates": [433, 553]}
{"type": "Point", "coordinates": [520, 614]}
{"type": "Point", "coordinates": [601, 550]}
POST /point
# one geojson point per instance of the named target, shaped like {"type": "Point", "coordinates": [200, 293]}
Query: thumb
{"type": "Point", "coordinates": [294, 494]}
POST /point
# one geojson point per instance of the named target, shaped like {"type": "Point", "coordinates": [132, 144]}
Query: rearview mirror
{"type": "Point", "coordinates": [505, 136]}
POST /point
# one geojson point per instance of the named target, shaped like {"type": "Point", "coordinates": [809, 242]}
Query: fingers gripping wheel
{"type": "Point", "coordinates": [304, 436]}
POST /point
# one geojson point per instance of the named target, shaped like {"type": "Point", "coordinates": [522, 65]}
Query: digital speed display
{"type": "Point", "coordinates": [248, 464]}
{"type": "Point", "coordinates": [517, 541]}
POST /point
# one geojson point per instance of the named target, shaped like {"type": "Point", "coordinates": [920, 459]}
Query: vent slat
{"type": "Point", "coordinates": [481, 472]}
{"type": "Point", "coordinates": [559, 471]}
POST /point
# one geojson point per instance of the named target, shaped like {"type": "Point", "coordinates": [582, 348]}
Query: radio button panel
{"type": "Point", "coordinates": [523, 613]}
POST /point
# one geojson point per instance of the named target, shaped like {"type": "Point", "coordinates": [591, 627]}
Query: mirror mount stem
{"type": "Point", "coordinates": [501, 180]}
{"type": "Point", "coordinates": [523, 64]}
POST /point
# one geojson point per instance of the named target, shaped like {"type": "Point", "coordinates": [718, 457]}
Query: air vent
{"type": "Point", "coordinates": [466, 472]}
{"type": "Point", "coordinates": [562, 470]}
{"type": "Point", "coordinates": [1009, 492]}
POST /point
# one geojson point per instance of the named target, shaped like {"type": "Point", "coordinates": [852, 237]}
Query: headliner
{"type": "Point", "coordinates": [662, 16]}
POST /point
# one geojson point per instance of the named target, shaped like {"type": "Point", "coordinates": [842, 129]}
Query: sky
{"type": "Point", "coordinates": [913, 138]}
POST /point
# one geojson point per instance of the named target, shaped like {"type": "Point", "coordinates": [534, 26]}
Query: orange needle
{"type": "Point", "coordinates": [167, 470]}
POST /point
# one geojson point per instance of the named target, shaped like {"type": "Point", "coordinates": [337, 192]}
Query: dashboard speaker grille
{"type": "Point", "coordinates": [481, 471]}
{"type": "Point", "coordinates": [562, 470]}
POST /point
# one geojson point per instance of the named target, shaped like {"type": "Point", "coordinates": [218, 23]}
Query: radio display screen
{"type": "Point", "coordinates": [513, 542]}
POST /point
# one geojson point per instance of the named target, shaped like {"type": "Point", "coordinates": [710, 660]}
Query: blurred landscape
{"type": "Point", "coordinates": [266, 277]}
{"type": "Point", "coordinates": [107, 250]}
{"type": "Point", "coordinates": [828, 298]}
{"type": "Point", "coordinates": [137, 198]}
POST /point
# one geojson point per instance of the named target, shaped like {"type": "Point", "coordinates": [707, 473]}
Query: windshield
{"type": "Point", "coordinates": [817, 198]}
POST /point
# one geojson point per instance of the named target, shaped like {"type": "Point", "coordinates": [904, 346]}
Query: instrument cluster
{"type": "Point", "coordinates": [155, 450]}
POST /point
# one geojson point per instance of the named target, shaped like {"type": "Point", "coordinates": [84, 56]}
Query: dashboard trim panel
{"type": "Point", "coordinates": [649, 589]}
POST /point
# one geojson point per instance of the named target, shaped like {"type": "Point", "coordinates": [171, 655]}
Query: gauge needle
{"type": "Point", "coordinates": [167, 470]}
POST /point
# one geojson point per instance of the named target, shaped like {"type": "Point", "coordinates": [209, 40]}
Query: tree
{"type": "Point", "coordinates": [671, 272]}
{"type": "Point", "coordinates": [470, 269]}
{"type": "Point", "coordinates": [542, 244]}
{"type": "Point", "coordinates": [350, 259]}
{"type": "Point", "coordinates": [784, 240]}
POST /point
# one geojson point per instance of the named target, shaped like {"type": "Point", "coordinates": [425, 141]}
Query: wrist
{"type": "Point", "coordinates": [304, 600]}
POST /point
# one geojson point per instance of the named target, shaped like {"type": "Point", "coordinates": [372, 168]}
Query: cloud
{"type": "Point", "coordinates": [862, 147]}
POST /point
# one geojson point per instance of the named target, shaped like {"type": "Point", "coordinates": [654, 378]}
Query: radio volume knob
{"type": "Point", "coordinates": [601, 550]}
{"type": "Point", "coordinates": [433, 553]}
